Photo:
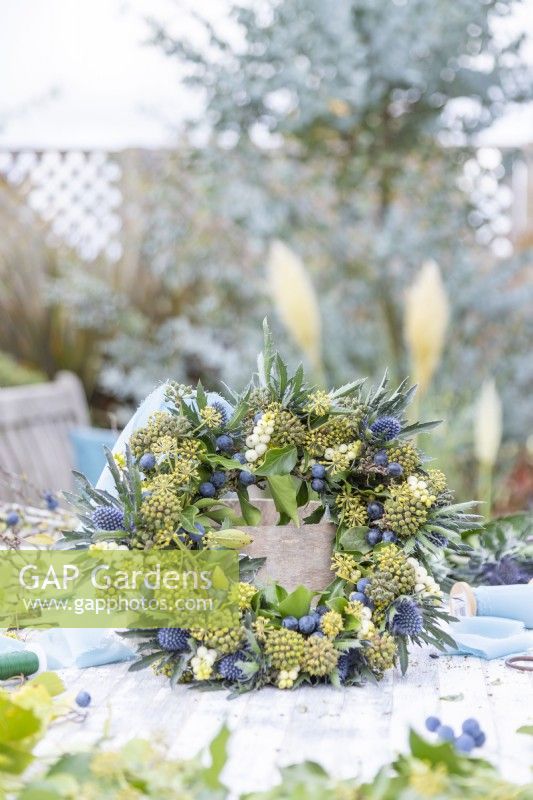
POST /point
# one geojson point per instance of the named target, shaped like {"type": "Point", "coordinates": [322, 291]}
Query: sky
{"type": "Point", "coordinates": [77, 74]}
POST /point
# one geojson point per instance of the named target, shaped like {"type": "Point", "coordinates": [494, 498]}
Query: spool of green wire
{"type": "Point", "coordinates": [22, 662]}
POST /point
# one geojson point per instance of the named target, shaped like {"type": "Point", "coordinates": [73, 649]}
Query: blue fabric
{"type": "Point", "coordinates": [88, 444]}
{"type": "Point", "coordinates": [510, 602]}
{"type": "Point", "coordinates": [490, 637]}
{"type": "Point", "coordinates": [73, 647]}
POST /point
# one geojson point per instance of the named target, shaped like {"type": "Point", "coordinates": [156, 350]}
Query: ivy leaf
{"type": "Point", "coordinates": [219, 755]}
{"type": "Point", "coordinates": [251, 514]}
{"type": "Point", "coordinates": [51, 682]}
{"type": "Point", "coordinates": [284, 492]}
{"type": "Point", "coordinates": [278, 461]}
{"type": "Point", "coordinates": [297, 603]}
{"type": "Point", "coordinates": [355, 539]}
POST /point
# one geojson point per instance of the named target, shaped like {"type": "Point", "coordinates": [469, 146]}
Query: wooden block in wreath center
{"type": "Point", "coordinates": [294, 555]}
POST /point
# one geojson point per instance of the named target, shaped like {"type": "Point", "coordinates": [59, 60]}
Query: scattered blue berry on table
{"type": "Point", "coordinates": [147, 461]}
{"type": "Point", "coordinates": [246, 478]}
{"type": "Point", "coordinates": [317, 484]}
{"type": "Point", "coordinates": [291, 623]}
{"type": "Point", "coordinates": [173, 640]}
{"type": "Point", "coordinates": [432, 724]}
{"type": "Point", "coordinates": [381, 458]}
{"type": "Point", "coordinates": [389, 536]}
{"type": "Point", "coordinates": [207, 489]}
{"type": "Point", "coordinates": [218, 479]}
{"type": "Point", "coordinates": [83, 699]}
{"type": "Point", "coordinates": [395, 470]}
{"type": "Point", "coordinates": [408, 619]}
{"type": "Point", "coordinates": [227, 667]}
{"type": "Point", "coordinates": [200, 532]}
{"type": "Point", "coordinates": [108, 518]}
{"type": "Point", "coordinates": [358, 597]}
{"type": "Point", "coordinates": [386, 428]}
{"type": "Point", "coordinates": [318, 471]}
{"type": "Point", "coordinates": [12, 519]}
{"type": "Point", "coordinates": [375, 510]}
{"type": "Point", "coordinates": [373, 536]}
{"type": "Point", "coordinates": [445, 732]}
{"type": "Point", "coordinates": [471, 726]}
{"type": "Point", "coordinates": [480, 739]}
{"type": "Point", "coordinates": [224, 443]}
{"type": "Point", "coordinates": [51, 501]}
{"type": "Point", "coordinates": [307, 624]}
{"type": "Point", "coordinates": [465, 743]}
{"type": "Point", "coordinates": [362, 583]}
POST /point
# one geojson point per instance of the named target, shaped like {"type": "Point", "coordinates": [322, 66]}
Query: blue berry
{"type": "Point", "coordinates": [207, 489]}
{"type": "Point", "coordinates": [240, 457]}
{"type": "Point", "coordinates": [465, 743]}
{"type": "Point", "coordinates": [291, 623]}
{"type": "Point", "coordinates": [386, 428]}
{"type": "Point", "coordinates": [258, 416]}
{"type": "Point", "coordinates": [147, 461]}
{"type": "Point", "coordinates": [358, 597]}
{"type": "Point", "coordinates": [408, 619]}
{"type": "Point", "coordinates": [199, 535]}
{"type": "Point", "coordinates": [108, 518]}
{"type": "Point", "coordinates": [471, 726]}
{"type": "Point", "coordinates": [12, 519]}
{"type": "Point", "coordinates": [173, 640]}
{"type": "Point", "coordinates": [445, 732]}
{"type": "Point", "coordinates": [321, 610]}
{"type": "Point", "coordinates": [389, 536]}
{"type": "Point", "coordinates": [317, 484]}
{"type": "Point", "coordinates": [373, 536]}
{"type": "Point", "coordinates": [480, 739]}
{"type": "Point", "coordinates": [307, 624]}
{"type": "Point", "coordinates": [395, 470]}
{"type": "Point", "coordinates": [224, 443]}
{"type": "Point", "coordinates": [227, 667]}
{"type": "Point", "coordinates": [83, 699]}
{"type": "Point", "coordinates": [51, 501]}
{"type": "Point", "coordinates": [381, 458]}
{"type": "Point", "coordinates": [318, 471]}
{"type": "Point", "coordinates": [246, 478]}
{"type": "Point", "coordinates": [362, 583]}
{"type": "Point", "coordinates": [375, 510]}
{"type": "Point", "coordinates": [218, 479]}
{"type": "Point", "coordinates": [318, 634]}
{"type": "Point", "coordinates": [432, 724]}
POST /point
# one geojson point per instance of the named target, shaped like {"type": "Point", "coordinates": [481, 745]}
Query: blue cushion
{"type": "Point", "coordinates": [88, 444]}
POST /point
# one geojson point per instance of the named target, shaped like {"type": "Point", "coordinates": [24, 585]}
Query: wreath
{"type": "Point", "coordinates": [350, 449]}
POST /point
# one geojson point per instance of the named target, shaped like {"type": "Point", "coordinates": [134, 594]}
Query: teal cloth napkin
{"type": "Point", "coordinates": [490, 637]}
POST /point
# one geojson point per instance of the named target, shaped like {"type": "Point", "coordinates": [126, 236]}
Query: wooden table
{"type": "Point", "coordinates": [350, 732]}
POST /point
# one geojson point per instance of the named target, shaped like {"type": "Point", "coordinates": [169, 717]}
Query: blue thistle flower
{"type": "Point", "coordinates": [386, 428]}
{"type": "Point", "coordinates": [173, 640]}
{"type": "Point", "coordinates": [227, 667]}
{"type": "Point", "coordinates": [408, 619]}
{"type": "Point", "coordinates": [108, 518]}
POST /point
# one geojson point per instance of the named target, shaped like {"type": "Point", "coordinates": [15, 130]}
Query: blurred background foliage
{"type": "Point", "coordinates": [347, 132]}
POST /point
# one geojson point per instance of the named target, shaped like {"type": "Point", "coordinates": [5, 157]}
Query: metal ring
{"type": "Point", "coordinates": [513, 662]}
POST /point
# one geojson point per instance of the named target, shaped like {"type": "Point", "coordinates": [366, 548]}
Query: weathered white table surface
{"type": "Point", "coordinates": [350, 732]}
